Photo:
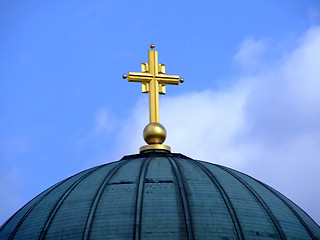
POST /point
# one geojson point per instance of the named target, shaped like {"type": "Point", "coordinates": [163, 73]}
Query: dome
{"type": "Point", "coordinates": [160, 195]}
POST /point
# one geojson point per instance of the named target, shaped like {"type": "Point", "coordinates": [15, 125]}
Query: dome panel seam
{"type": "Point", "coordinates": [61, 200]}
{"type": "Point", "coordinates": [30, 210]}
{"type": "Point", "coordinates": [183, 196]}
{"type": "Point", "coordinates": [139, 199]}
{"type": "Point", "coordinates": [98, 197]}
{"type": "Point", "coordinates": [33, 206]}
{"type": "Point", "coordinates": [225, 198]}
{"type": "Point", "coordinates": [260, 200]}
{"type": "Point", "coordinates": [290, 207]}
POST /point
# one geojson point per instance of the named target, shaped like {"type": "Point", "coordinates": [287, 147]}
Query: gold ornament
{"type": "Point", "coordinates": [154, 81]}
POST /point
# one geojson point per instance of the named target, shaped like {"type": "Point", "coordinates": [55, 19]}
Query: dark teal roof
{"type": "Point", "coordinates": [160, 195]}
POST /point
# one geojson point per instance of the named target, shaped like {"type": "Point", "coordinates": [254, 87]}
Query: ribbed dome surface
{"type": "Point", "coordinates": [160, 195]}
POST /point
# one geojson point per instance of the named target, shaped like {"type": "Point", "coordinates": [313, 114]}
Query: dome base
{"type": "Point", "coordinates": [155, 146]}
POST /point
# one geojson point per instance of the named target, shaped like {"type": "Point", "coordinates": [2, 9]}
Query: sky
{"type": "Point", "coordinates": [250, 100]}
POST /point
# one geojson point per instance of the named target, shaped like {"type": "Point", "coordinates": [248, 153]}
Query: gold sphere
{"type": "Point", "coordinates": [154, 133]}
{"type": "Point", "coordinates": [124, 76]}
{"type": "Point", "coordinates": [152, 46]}
{"type": "Point", "coordinates": [181, 80]}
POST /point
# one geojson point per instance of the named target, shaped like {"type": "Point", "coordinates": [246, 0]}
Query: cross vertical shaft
{"type": "Point", "coordinates": [154, 87]}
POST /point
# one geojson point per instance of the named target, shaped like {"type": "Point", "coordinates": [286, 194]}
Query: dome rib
{"type": "Point", "coordinates": [290, 207]}
{"type": "Point", "coordinates": [225, 198]}
{"type": "Point", "coordinates": [183, 196]}
{"type": "Point", "coordinates": [259, 199]}
{"type": "Point", "coordinates": [31, 208]}
{"type": "Point", "coordinates": [138, 210]}
{"type": "Point", "coordinates": [97, 199]}
{"type": "Point", "coordinates": [60, 202]}
{"type": "Point", "coordinates": [47, 192]}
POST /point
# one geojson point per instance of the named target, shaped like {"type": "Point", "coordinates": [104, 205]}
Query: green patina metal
{"type": "Point", "coordinates": [160, 195]}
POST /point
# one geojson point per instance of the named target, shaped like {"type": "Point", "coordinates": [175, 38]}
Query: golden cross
{"type": "Point", "coordinates": [154, 80]}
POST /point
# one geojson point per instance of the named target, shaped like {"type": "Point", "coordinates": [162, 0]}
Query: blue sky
{"type": "Point", "coordinates": [250, 100]}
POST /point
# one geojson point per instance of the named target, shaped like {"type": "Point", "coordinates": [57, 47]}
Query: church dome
{"type": "Point", "coordinates": [160, 195]}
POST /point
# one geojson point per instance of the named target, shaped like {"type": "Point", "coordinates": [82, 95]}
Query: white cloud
{"type": "Point", "coordinates": [103, 122]}
{"type": "Point", "coordinates": [90, 147]}
{"type": "Point", "coordinates": [129, 138]}
{"type": "Point", "coordinates": [102, 127]}
{"type": "Point", "coordinates": [250, 54]}
{"type": "Point", "coordinates": [204, 125]}
{"type": "Point", "coordinates": [267, 124]}
{"type": "Point", "coordinates": [283, 115]}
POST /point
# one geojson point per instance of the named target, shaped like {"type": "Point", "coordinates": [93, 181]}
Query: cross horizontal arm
{"type": "Point", "coordinates": [139, 77]}
{"type": "Point", "coordinates": [168, 79]}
